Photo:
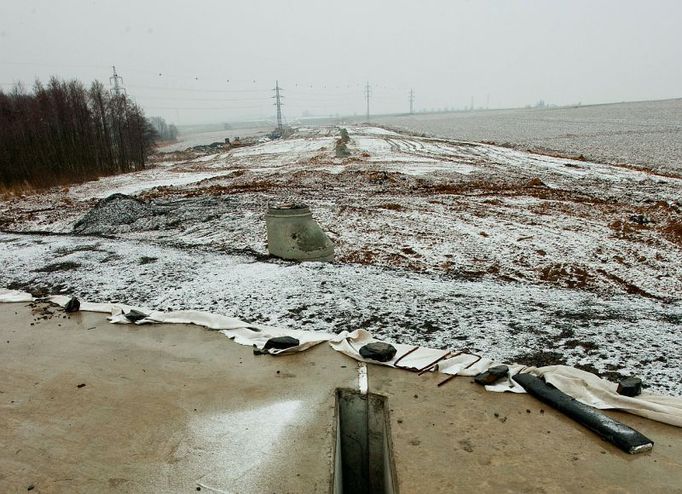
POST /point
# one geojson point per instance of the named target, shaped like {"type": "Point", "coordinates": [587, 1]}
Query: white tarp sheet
{"type": "Point", "coordinates": [14, 296]}
{"type": "Point", "coordinates": [583, 386]}
{"type": "Point", "coordinates": [242, 332]}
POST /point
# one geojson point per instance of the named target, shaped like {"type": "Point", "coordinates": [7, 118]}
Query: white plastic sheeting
{"type": "Point", "coordinates": [242, 332]}
{"type": "Point", "coordinates": [14, 296]}
{"type": "Point", "coordinates": [600, 393]}
{"type": "Point", "coordinates": [583, 386]}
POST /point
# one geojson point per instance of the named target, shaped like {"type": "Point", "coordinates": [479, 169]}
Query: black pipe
{"type": "Point", "coordinates": [617, 433]}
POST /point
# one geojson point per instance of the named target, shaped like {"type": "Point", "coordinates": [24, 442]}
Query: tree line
{"type": "Point", "coordinates": [166, 132]}
{"type": "Point", "coordinates": [63, 132]}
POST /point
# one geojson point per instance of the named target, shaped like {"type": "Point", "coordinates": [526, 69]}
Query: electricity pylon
{"type": "Point", "coordinates": [116, 81]}
{"type": "Point", "coordinates": [278, 103]}
{"type": "Point", "coordinates": [367, 93]}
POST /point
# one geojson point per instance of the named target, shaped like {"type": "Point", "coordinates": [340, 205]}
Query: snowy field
{"type": "Point", "coordinates": [522, 257]}
{"type": "Point", "coordinates": [647, 133]}
{"type": "Point", "coordinates": [191, 139]}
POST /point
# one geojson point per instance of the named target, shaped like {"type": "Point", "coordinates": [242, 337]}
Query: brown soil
{"type": "Point", "coordinates": [673, 232]}
{"type": "Point", "coordinates": [626, 229]}
{"type": "Point", "coordinates": [540, 359]}
{"type": "Point", "coordinates": [566, 275]}
{"type": "Point", "coordinates": [392, 206]}
{"type": "Point", "coordinates": [532, 188]}
{"type": "Point", "coordinates": [630, 288]}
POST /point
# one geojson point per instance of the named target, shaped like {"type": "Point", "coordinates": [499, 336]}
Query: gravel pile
{"type": "Point", "coordinates": [110, 213]}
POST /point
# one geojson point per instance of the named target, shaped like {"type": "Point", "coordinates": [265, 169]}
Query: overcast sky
{"type": "Point", "coordinates": [211, 61]}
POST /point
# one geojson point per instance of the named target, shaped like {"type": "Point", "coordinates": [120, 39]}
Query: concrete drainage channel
{"type": "Point", "coordinates": [363, 457]}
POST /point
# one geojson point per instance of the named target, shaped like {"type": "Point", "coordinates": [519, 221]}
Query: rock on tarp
{"type": "Point", "coordinates": [630, 386]}
{"type": "Point", "coordinates": [73, 305]}
{"type": "Point", "coordinates": [378, 350]}
{"type": "Point", "coordinates": [492, 375]}
{"type": "Point", "coordinates": [281, 343]}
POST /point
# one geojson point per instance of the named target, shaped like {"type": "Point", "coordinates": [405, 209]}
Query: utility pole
{"type": "Point", "coordinates": [116, 81]}
{"type": "Point", "coordinates": [411, 101]}
{"type": "Point", "coordinates": [278, 103]}
{"type": "Point", "coordinates": [472, 104]}
{"type": "Point", "coordinates": [367, 93]}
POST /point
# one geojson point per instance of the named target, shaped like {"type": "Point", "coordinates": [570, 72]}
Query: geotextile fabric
{"type": "Point", "coordinates": [581, 385]}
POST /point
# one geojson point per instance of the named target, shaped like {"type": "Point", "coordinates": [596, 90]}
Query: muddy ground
{"type": "Point", "coordinates": [529, 258]}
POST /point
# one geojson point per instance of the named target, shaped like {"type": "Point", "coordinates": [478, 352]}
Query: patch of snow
{"type": "Point", "coordinates": [503, 320]}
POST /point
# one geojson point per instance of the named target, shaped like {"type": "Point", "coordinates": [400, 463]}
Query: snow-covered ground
{"type": "Point", "coordinates": [648, 133]}
{"type": "Point", "coordinates": [445, 243]}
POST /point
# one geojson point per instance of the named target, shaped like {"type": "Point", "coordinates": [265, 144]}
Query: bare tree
{"type": "Point", "coordinates": [62, 132]}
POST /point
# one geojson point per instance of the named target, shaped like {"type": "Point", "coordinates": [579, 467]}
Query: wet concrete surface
{"type": "Point", "coordinates": [164, 408]}
{"type": "Point", "coordinates": [87, 406]}
{"type": "Point", "coordinates": [461, 438]}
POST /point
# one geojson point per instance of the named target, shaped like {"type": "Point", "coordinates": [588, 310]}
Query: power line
{"type": "Point", "coordinates": [246, 94]}
{"type": "Point", "coordinates": [317, 95]}
{"type": "Point", "coordinates": [161, 88]}
{"type": "Point", "coordinates": [40, 64]}
{"type": "Point", "coordinates": [311, 94]}
{"type": "Point", "coordinates": [174, 98]}
{"type": "Point", "coordinates": [202, 108]}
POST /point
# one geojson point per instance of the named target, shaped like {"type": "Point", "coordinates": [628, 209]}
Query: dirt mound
{"type": "Point", "coordinates": [536, 182]}
{"type": "Point", "coordinates": [111, 212]}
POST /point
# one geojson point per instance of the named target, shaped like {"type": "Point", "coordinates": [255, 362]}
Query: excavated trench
{"type": "Point", "coordinates": [363, 457]}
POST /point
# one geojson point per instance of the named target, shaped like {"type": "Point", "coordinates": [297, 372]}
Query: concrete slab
{"type": "Point", "coordinates": [165, 408]}
{"type": "Point", "coordinates": [461, 438]}
{"type": "Point", "coordinates": [176, 408]}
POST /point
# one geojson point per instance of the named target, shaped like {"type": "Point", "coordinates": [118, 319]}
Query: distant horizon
{"type": "Point", "coordinates": [407, 114]}
{"type": "Point", "coordinates": [7, 87]}
{"type": "Point", "coordinates": [191, 63]}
